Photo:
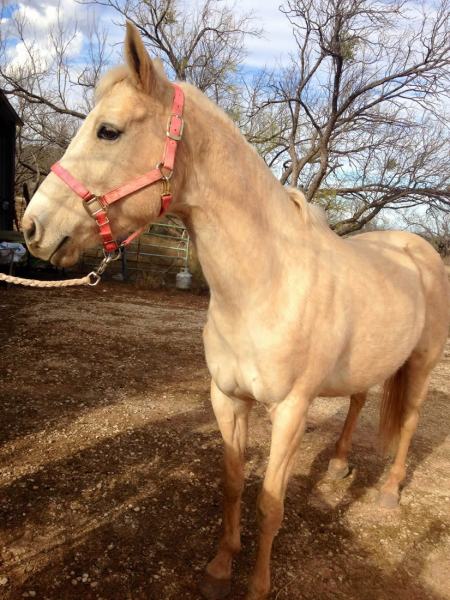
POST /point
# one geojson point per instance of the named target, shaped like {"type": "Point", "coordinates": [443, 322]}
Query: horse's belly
{"type": "Point", "coordinates": [375, 352]}
{"type": "Point", "coordinates": [355, 341]}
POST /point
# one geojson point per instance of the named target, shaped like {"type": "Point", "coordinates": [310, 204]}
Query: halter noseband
{"type": "Point", "coordinates": [96, 206]}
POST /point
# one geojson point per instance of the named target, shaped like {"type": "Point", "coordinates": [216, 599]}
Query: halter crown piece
{"type": "Point", "coordinates": [97, 206]}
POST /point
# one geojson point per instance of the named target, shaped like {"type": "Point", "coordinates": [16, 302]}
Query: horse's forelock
{"type": "Point", "coordinates": [109, 79]}
{"type": "Point", "coordinates": [122, 73]}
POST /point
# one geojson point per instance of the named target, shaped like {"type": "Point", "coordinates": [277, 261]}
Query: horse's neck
{"type": "Point", "coordinates": [238, 214]}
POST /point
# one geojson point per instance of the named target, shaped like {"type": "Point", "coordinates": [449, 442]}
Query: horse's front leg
{"type": "Point", "coordinates": [288, 424]}
{"type": "Point", "coordinates": [232, 418]}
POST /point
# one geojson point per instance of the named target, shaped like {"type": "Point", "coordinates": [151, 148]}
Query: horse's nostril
{"type": "Point", "coordinates": [29, 228]}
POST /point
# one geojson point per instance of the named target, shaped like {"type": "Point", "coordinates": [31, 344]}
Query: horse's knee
{"type": "Point", "coordinates": [270, 513]}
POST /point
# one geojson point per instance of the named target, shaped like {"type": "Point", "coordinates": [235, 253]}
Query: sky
{"type": "Point", "coordinates": [269, 50]}
{"type": "Point", "coordinates": [277, 40]}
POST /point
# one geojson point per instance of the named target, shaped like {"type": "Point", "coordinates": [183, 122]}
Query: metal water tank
{"type": "Point", "coordinates": [184, 279]}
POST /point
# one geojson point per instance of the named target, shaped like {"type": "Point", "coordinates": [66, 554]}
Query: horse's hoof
{"type": "Point", "coordinates": [337, 469]}
{"type": "Point", "coordinates": [388, 500]}
{"type": "Point", "coordinates": [213, 588]}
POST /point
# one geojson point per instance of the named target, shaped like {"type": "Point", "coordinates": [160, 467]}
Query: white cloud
{"type": "Point", "coordinates": [277, 40]}
{"type": "Point", "coordinates": [20, 55]}
{"type": "Point", "coordinates": [41, 15]}
{"type": "Point", "coordinates": [35, 22]}
{"type": "Point", "coordinates": [39, 20]}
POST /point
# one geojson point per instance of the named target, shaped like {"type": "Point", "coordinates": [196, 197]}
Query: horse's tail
{"type": "Point", "coordinates": [392, 408]}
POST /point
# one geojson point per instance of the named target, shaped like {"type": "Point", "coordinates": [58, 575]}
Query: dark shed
{"type": "Point", "coordinates": [9, 120]}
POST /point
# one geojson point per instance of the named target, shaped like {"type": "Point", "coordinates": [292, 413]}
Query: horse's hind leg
{"type": "Point", "coordinates": [338, 467]}
{"type": "Point", "coordinates": [417, 382]}
{"type": "Point", "coordinates": [405, 392]}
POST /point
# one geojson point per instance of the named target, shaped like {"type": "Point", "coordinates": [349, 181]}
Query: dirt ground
{"type": "Point", "coordinates": [110, 466]}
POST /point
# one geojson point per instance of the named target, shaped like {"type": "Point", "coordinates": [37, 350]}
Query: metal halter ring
{"type": "Point", "coordinates": [112, 256]}
{"type": "Point", "coordinates": [94, 278]}
{"type": "Point", "coordinates": [160, 167]}
{"type": "Point", "coordinates": [108, 257]}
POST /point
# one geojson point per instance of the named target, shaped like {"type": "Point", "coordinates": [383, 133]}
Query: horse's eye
{"type": "Point", "coordinates": [106, 132]}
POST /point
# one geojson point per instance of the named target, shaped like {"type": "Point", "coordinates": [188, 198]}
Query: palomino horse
{"type": "Point", "coordinates": [296, 312]}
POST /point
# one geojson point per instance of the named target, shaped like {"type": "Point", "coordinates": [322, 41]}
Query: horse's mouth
{"type": "Point", "coordinates": [54, 258]}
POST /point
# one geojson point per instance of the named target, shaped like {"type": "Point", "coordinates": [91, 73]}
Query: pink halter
{"type": "Point", "coordinates": [97, 206]}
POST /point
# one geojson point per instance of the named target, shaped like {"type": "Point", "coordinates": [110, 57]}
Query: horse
{"type": "Point", "coordinates": [295, 311]}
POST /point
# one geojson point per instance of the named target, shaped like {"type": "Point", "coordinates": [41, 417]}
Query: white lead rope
{"type": "Point", "coordinates": [87, 280]}
{"type": "Point", "coordinates": [91, 278]}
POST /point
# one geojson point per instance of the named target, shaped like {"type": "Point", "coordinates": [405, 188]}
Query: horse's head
{"type": "Point", "coordinates": [122, 138]}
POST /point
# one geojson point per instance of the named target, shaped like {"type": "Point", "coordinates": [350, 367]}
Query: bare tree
{"type": "Point", "coordinates": [47, 77]}
{"type": "Point", "coordinates": [203, 44]}
{"type": "Point", "coordinates": [434, 225]}
{"type": "Point", "coordinates": [52, 93]}
{"type": "Point", "coordinates": [357, 119]}
{"type": "Point", "coordinates": [49, 92]}
{"type": "Point", "coordinates": [361, 108]}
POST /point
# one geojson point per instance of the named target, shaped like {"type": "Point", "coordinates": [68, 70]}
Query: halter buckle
{"type": "Point", "coordinates": [166, 187]}
{"type": "Point", "coordinates": [94, 206]}
{"type": "Point", "coordinates": [176, 137]}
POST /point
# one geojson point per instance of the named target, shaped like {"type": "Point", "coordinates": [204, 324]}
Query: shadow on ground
{"type": "Point", "coordinates": [134, 513]}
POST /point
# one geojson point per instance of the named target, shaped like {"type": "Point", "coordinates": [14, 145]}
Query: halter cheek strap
{"type": "Point", "coordinates": [97, 206]}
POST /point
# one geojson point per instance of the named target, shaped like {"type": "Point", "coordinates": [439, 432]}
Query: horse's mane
{"type": "Point", "coordinates": [311, 214]}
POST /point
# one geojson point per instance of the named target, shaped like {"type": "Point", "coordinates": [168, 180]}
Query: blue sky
{"type": "Point", "coordinates": [9, 10]}
{"type": "Point", "coordinates": [271, 49]}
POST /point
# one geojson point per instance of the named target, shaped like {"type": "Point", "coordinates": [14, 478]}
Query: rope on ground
{"type": "Point", "coordinates": [86, 280]}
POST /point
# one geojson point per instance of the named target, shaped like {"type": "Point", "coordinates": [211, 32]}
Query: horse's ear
{"type": "Point", "coordinates": [138, 60]}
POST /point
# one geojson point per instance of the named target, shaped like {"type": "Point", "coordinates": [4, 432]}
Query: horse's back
{"type": "Point", "coordinates": [402, 240]}
{"type": "Point", "coordinates": [402, 247]}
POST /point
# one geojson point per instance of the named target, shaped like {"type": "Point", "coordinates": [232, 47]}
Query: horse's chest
{"type": "Point", "coordinates": [243, 368]}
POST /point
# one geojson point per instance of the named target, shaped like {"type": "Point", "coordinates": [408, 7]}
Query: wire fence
{"type": "Point", "coordinates": [163, 250]}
